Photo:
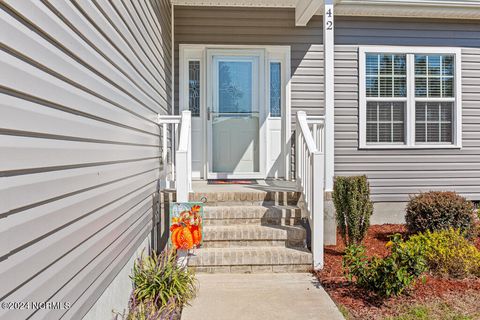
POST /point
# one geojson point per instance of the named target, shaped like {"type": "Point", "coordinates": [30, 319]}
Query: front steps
{"type": "Point", "coordinates": [251, 231]}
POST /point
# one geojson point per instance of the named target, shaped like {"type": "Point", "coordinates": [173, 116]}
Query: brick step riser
{"type": "Point", "coordinates": [229, 212]}
{"type": "Point", "coordinates": [254, 268]}
{"type": "Point", "coordinates": [253, 243]}
{"type": "Point", "coordinates": [248, 203]}
{"type": "Point", "coordinates": [241, 221]}
{"type": "Point", "coordinates": [243, 243]}
{"type": "Point", "coordinates": [246, 198]}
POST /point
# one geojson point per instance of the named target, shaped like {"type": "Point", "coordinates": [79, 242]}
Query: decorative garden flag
{"type": "Point", "coordinates": [186, 225]}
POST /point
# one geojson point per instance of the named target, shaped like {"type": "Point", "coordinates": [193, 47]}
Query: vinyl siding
{"type": "Point", "coordinates": [260, 26]}
{"type": "Point", "coordinates": [394, 174]}
{"type": "Point", "coordinates": [81, 85]}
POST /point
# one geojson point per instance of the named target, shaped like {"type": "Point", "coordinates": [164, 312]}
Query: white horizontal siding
{"type": "Point", "coordinates": [80, 89]}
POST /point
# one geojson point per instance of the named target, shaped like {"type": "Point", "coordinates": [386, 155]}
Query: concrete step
{"type": "Point", "coordinates": [250, 259]}
{"type": "Point", "coordinates": [237, 215]}
{"type": "Point", "coordinates": [245, 198]}
{"type": "Point", "coordinates": [253, 236]}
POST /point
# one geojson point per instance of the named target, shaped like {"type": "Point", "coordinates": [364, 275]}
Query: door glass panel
{"type": "Point", "coordinates": [235, 118]}
{"type": "Point", "coordinates": [235, 86]}
{"type": "Point", "coordinates": [194, 88]}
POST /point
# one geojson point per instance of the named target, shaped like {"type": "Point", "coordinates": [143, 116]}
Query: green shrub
{"type": "Point", "coordinates": [388, 276]}
{"type": "Point", "coordinates": [160, 279]}
{"type": "Point", "coordinates": [448, 253]}
{"type": "Point", "coordinates": [351, 196]}
{"type": "Point", "coordinates": [439, 211]}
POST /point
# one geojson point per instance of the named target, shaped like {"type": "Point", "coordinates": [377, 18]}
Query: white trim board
{"type": "Point", "coordinates": [410, 98]}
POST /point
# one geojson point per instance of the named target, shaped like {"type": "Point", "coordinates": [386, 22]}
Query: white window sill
{"type": "Point", "coordinates": [403, 147]}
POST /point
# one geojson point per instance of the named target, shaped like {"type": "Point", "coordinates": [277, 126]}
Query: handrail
{"type": "Point", "coordinates": [310, 166]}
{"type": "Point", "coordinates": [176, 153]}
{"type": "Point", "coordinates": [184, 159]}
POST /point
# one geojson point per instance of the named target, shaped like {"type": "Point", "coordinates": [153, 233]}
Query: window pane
{"type": "Point", "coordinates": [447, 87]}
{"type": "Point", "coordinates": [385, 132]}
{"type": "Point", "coordinates": [434, 87]}
{"type": "Point", "coordinates": [275, 90]}
{"type": "Point", "coordinates": [433, 65]}
{"type": "Point", "coordinates": [399, 64]}
{"type": "Point", "coordinates": [372, 112]}
{"type": "Point", "coordinates": [372, 64]}
{"type": "Point", "coordinates": [385, 122]}
{"type": "Point", "coordinates": [421, 87]}
{"type": "Point", "coordinates": [372, 132]}
{"type": "Point", "coordinates": [400, 86]}
{"type": "Point", "coordinates": [420, 65]}
{"type": "Point", "coordinates": [384, 111]}
{"type": "Point", "coordinates": [433, 132]}
{"type": "Point", "coordinates": [398, 132]}
{"type": "Point", "coordinates": [372, 86]}
{"type": "Point", "coordinates": [385, 87]}
{"type": "Point", "coordinates": [194, 88]}
{"type": "Point", "coordinates": [447, 65]}
{"type": "Point", "coordinates": [433, 122]}
{"type": "Point", "coordinates": [434, 76]}
{"type": "Point", "coordinates": [386, 64]}
{"type": "Point", "coordinates": [385, 75]}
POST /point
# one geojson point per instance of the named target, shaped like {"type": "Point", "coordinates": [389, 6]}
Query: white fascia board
{"type": "Point", "coordinates": [439, 9]}
{"type": "Point", "coordinates": [237, 3]}
{"type": "Point", "coordinates": [305, 10]}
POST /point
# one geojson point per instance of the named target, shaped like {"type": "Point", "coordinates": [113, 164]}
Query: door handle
{"type": "Point", "coordinates": [208, 113]}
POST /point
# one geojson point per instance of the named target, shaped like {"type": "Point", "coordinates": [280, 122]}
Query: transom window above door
{"type": "Point", "coordinates": [409, 97]}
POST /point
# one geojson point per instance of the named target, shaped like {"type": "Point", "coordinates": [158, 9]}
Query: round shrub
{"type": "Point", "coordinates": [438, 210]}
{"type": "Point", "coordinates": [448, 253]}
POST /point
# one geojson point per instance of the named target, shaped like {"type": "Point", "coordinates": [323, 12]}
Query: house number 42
{"type": "Point", "coordinates": [329, 19]}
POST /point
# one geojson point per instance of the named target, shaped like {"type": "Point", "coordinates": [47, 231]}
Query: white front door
{"type": "Point", "coordinates": [236, 115]}
{"type": "Point", "coordinates": [239, 97]}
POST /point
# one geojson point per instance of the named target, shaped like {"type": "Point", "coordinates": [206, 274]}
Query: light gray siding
{"type": "Point", "coordinates": [260, 26]}
{"type": "Point", "coordinates": [394, 174]}
{"type": "Point", "coordinates": [80, 87]}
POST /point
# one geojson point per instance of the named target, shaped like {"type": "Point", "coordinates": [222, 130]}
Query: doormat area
{"type": "Point", "coordinates": [232, 181]}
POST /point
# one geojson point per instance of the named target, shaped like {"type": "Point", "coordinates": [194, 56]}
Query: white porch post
{"type": "Point", "coordinates": [329, 89]}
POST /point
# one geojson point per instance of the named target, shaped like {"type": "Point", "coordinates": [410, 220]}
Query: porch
{"type": "Point", "coordinates": [235, 122]}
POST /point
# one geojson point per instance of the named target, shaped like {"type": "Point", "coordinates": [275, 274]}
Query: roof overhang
{"type": "Point", "coordinates": [440, 9]}
{"type": "Point", "coordinates": [306, 9]}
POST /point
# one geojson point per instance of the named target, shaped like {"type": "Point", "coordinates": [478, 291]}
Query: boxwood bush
{"type": "Point", "coordinates": [437, 210]}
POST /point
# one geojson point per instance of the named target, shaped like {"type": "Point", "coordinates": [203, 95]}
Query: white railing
{"type": "Point", "coordinates": [310, 172]}
{"type": "Point", "coordinates": [176, 153]}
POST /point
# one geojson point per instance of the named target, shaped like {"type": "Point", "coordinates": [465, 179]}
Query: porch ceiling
{"type": "Point", "coordinates": [304, 9]}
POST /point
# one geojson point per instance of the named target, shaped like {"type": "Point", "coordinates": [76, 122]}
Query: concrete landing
{"type": "Point", "coordinates": [286, 296]}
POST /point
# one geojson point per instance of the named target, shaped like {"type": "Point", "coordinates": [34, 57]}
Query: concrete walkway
{"type": "Point", "coordinates": [276, 296]}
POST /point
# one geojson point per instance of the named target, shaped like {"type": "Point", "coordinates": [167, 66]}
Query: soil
{"type": "Point", "coordinates": [361, 304]}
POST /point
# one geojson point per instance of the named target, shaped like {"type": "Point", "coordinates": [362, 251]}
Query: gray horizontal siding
{"type": "Point", "coordinates": [260, 26]}
{"type": "Point", "coordinates": [395, 174]}
{"type": "Point", "coordinates": [81, 85]}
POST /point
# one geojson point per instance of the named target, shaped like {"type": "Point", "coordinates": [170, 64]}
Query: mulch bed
{"type": "Point", "coordinates": [360, 303]}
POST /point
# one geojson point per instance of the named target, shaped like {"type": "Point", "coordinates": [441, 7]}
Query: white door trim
{"type": "Point", "coordinates": [272, 53]}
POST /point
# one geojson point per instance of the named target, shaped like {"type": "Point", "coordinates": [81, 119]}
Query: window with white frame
{"type": "Point", "coordinates": [410, 97]}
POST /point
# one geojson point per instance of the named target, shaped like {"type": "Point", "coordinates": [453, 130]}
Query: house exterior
{"type": "Point", "coordinates": [395, 86]}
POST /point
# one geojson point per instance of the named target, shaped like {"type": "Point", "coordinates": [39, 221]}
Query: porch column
{"type": "Point", "coordinates": [330, 229]}
{"type": "Point", "coordinates": [329, 89]}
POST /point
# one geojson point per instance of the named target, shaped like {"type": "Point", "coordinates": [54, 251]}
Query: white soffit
{"type": "Point", "coordinates": [440, 9]}
{"type": "Point", "coordinates": [238, 3]}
